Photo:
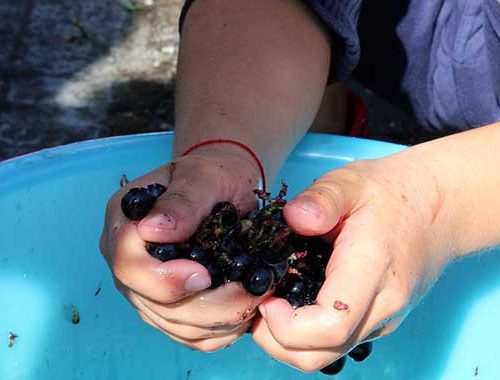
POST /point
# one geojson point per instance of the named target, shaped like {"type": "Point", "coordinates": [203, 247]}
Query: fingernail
{"type": "Point", "coordinates": [197, 282]}
{"type": "Point", "coordinates": [263, 311]}
{"type": "Point", "coordinates": [307, 206]}
{"type": "Point", "coordinates": [160, 222]}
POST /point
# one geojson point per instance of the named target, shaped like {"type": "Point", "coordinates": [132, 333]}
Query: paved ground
{"type": "Point", "coordinates": [75, 70]}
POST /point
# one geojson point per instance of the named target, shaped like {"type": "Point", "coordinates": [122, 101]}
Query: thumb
{"type": "Point", "coordinates": [189, 197]}
{"type": "Point", "coordinates": [318, 209]}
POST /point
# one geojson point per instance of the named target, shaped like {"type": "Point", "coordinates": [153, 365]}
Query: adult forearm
{"type": "Point", "coordinates": [253, 71]}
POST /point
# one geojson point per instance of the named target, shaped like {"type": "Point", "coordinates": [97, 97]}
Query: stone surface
{"type": "Point", "coordinates": [71, 71]}
{"type": "Point", "coordinates": [76, 70]}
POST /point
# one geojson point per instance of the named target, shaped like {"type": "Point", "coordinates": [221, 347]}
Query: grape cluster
{"type": "Point", "coordinates": [258, 249]}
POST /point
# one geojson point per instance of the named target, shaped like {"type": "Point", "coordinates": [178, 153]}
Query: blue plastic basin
{"type": "Point", "coordinates": [52, 205]}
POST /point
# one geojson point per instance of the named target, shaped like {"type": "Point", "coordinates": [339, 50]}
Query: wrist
{"type": "Point", "coordinates": [463, 168]}
{"type": "Point", "coordinates": [230, 164]}
{"type": "Point", "coordinates": [421, 187]}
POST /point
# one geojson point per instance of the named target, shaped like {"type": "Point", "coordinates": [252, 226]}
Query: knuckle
{"type": "Point", "coordinates": [307, 367]}
{"type": "Point", "coordinates": [330, 192]}
{"type": "Point", "coordinates": [338, 337]}
{"type": "Point", "coordinates": [208, 345]}
{"type": "Point", "coordinates": [103, 243]}
{"type": "Point", "coordinates": [191, 333]}
{"type": "Point", "coordinates": [310, 363]}
{"type": "Point", "coordinates": [352, 173]}
{"type": "Point", "coordinates": [390, 328]}
{"type": "Point", "coordinates": [285, 340]}
{"type": "Point", "coordinates": [386, 331]}
{"type": "Point", "coordinates": [397, 301]}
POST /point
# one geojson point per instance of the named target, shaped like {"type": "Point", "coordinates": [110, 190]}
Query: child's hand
{"type": "Point", "coordinates": [387, 252]}
{"type": "Point", "coordinates": [171, 296]}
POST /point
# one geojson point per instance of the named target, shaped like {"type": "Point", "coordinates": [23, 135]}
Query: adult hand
{"type": "Point", "coordinates": [388, 250]}
{"type": "Point", "coordinates": [173, 296]}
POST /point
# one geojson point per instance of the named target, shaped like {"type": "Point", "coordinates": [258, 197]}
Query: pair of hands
{"type": "Point", "coordinates": [386, 253]}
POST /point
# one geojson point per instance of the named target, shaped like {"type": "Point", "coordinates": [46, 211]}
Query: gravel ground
{"type": "Point", "coordinates": [77, 70]}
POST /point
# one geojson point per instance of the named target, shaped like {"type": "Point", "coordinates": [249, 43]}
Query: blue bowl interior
{"type": "Point", "coordinates": [52, 205]}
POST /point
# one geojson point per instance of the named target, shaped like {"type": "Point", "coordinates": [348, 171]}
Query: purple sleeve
{"type": "Point", "coordinates": [184, 10]}
{"type": "Point", "coordinates": [492, 14]}
{"type": "Point", "coordinates": [465, 77]}
{"type": "Point", "coordinates": [340, 16]}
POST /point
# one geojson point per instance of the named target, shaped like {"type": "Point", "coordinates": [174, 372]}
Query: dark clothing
{"type": "Point", "coordinates": [439, 59]}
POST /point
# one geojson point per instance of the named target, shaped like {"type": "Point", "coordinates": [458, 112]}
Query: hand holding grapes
{"type": "Point", "coordinates": [171, 295]}
{"type": "Point", "coordinates": [387, 251]}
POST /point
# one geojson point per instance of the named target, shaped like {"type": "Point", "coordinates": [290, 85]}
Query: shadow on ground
{"type": "Point", "coordinates": [73, 71]}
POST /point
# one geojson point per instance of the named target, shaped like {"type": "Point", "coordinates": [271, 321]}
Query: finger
{"type": "Point", "coordinates": [229, 305]}
{"type": "Point", "coordinates": [115, 218]}
{"type": "Point", "coordinates": [327, 201]}
{"type": "Point", "coordinates": [182, 331]}
{"type": "Point", "coordinates": [383, 317]}
{"type": "Point", "coordinates": [161, 282]}
{"type": "Point", "coordinates": [148, 320]}
{"type": "Point", "coordinates": [353, 278]}
{"type": "Point", "coordinates": [307, 360]}
{"type": "Point", "coordinates": [196, 185]}
{"type": "Point", "coordinates": [212, 344]}
{"type": "Point", "coordinates": [206, 345]}
{"type": "Point", "coordinates": [385, 330]}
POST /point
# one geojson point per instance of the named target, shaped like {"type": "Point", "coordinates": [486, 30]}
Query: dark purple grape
{"type": "Point", "coordinates": [299, 291]}
{"type": "Point", "coordinates": [335, 367]}
{"type": "Point", "coordinates": [156, 189]}
{"type": "Point", "coordinates": [221, 207]}
{"type": "Point", "coordinates": [198, 254]}
{"type": "Point", "coordinates": [227, 212]}
{"type": "Point", "coordinates": [231, 246]}
{"type": "Point", "coordinates": [278, 217]}
{"type": "Point", "coordinates": [272, 256]}
{"type": "Point", "coordinates": [298, 288]}
{"type": "Point", "coordinates": [259, 280]}
{"type": "Point", "coordinates": [279, 270]}
{"type": "Point", "coordinates": [294, 300]}
{"type": "Point", "coordinates": [164, 251]}
{"type": "Point", "coordinates": [137, 203]}
{"type": "Point", "coordinates": [319, 246]}
{"type": "Point", "coordinates": [238, 267]}
{"type": "Point", "coordinates": [298, 243]}
{"type": "Point", "coordinates": [216, 275]}
{"type": "Point", "coordinates": [285, 284]}
{"type": "Point", "coordinates": [229, 219]}
{"type": "Point", "coordinates": [312, 290]}
{"type": "Point", "coordinates": [361, 351]}
{"type": "Point", "coordinates": [252, 215]}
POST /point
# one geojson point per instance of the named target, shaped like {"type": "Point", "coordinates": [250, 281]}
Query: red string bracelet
{"type": "Point", "coordinates": [233, 142]}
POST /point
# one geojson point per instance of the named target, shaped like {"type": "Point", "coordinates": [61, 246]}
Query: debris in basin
{"type": "Point", "coordinates": [124, 180]}
{"type": "Point", "coordinates": [75, 316]}
{"type": "Point", "coordinates": [340, 306]}
{"type": "Point", "coordinates": [12, 339]}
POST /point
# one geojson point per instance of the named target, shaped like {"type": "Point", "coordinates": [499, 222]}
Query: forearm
{"type": "Point", "coordinates": [465, 198]}
{"type": "Point", "coordinates": [252, 71]}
